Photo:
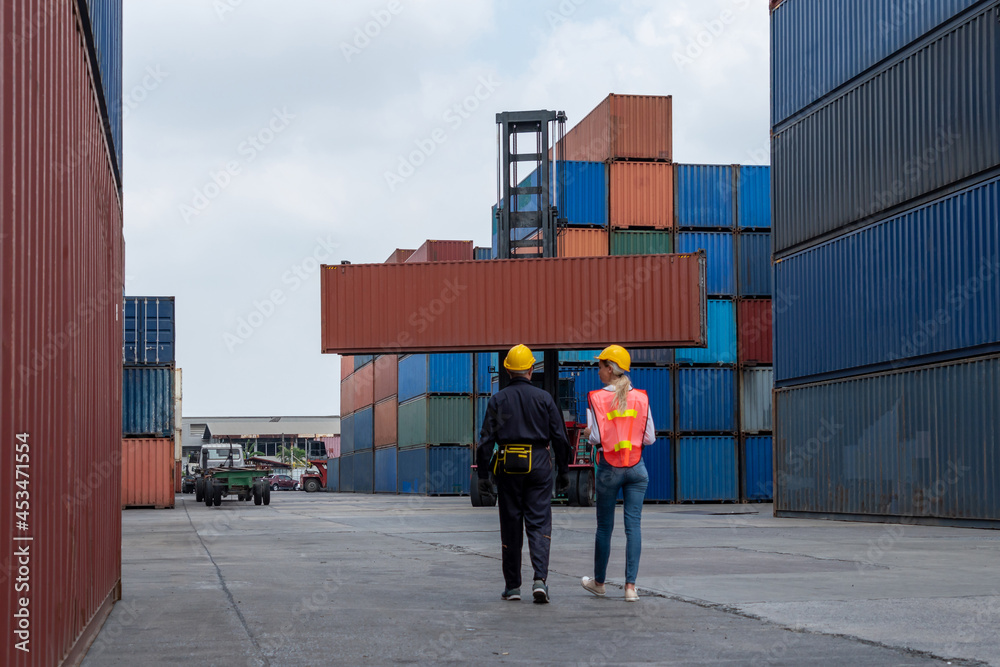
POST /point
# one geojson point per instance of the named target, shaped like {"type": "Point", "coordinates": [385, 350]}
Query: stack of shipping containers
{"type": "Point", "coordinates": [886, 194]}
{"type": "Point", "coordinates": [61, 260]}
{"type": "Point", "coordinates": [150, 382]}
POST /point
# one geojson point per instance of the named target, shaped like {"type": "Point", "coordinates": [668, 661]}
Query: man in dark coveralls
{"type": "Point", "coordinates": [522, 420]}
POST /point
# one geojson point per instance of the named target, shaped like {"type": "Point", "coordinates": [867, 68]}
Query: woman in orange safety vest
{"type": "Point", "coordinates": [618, 420]}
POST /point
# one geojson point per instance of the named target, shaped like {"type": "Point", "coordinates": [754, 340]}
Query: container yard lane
{"type": "Point", "coordinates": [22, 544]}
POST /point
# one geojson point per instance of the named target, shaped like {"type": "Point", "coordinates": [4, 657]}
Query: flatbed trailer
{"type": "Point", "coordinates": [244, 483]}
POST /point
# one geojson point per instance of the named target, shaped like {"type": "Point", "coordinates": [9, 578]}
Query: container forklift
{"type": "Point", "coordinates": [527, 226]}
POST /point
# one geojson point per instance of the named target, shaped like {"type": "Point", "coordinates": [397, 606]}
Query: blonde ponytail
{"type": "Point", "coordinates": [621, 384]}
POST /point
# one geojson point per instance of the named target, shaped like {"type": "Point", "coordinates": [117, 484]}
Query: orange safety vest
{"type": "Point", "coordinates": [621, 430]}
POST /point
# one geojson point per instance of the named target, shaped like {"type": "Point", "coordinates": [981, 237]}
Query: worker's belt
{"type": "Point", "coordinates": [513, 459]}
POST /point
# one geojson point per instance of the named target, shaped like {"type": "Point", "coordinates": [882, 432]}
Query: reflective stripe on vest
{"type": "Point", "coordinates": [625, 428]}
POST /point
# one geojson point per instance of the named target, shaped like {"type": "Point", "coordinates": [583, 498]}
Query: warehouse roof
{"type": "Point", "coordinates": [197, 429]}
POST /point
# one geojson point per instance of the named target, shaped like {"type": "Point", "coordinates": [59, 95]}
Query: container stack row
{"type": "Point", "coordinates": [887, 256]}
{"type": "Point", "coordinates": [150, 403]}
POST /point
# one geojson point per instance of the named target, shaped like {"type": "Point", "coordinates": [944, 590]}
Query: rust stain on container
{"type": "Point", "coordinates": [399, 255]}
{"type": "Point", "coordinates": [148, 472]}
{"type": "Point", "coordinates": [641, 195]}
{"type": "Point", "coordinates": [441, 251]}
{"type": "Point", "coordinates": [637, 127]}
{"type": "Point", "coordinates": [385, 422]}
{"type": "Point", "coordinates": [61, 267]}
{"type": "Point", "coordinates": [386, 374]}
{"type": "Point", "coordinates": [558, 303]}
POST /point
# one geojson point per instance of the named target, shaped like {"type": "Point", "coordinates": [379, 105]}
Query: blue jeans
{"type": "Point", "coordinates": [632, 482]}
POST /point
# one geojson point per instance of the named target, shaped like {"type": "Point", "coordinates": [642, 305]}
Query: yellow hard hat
{"type": "Point", "coordinates": [519, 359]}
{"type": "Point", "coordinates": [617, 354]}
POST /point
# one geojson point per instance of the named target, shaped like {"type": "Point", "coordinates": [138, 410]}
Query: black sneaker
{"type": "Point", "coordinates": [539, 591]}
{"type": "Point", "coordinates": [511, 594]}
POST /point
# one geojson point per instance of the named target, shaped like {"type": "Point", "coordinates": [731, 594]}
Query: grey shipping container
{"type": "Point", "coordinates": [918, 444]}
{"type": "Point", "coordinates": [755, 399]}
{"type": "Point", "coordinates": [148, 402]}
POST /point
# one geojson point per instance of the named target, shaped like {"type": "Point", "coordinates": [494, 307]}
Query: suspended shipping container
{"type": "Point", "coordinates": [443, 373]}
{"type": "Point", "coordinates": [755, 399]}
{"type": "Point", "coordinates": [148, 331]}
{"type": "Point", "coordinates": [758, 473]}
{"type": "Point", "coordinates": [434, 471]}
{"type": "Point", "coordinates": [721, 337]}
{"type": "Point", "coordinates": [705, 195]}
{"type": "Point", "coordinates": [435, 420]}
{"type": "Point", "coordinates": [720, 258]}
{"type": "Point", "coordinates": [706, 469]}
{"type": "Point", "coordinates": [364, 472]}
{"type": "Point", "coordinates": [755, 278]}
{"type": "Point", "coordinates": [147, 470]}
{"type": "Point", "coordinates": [385, 382]}
{"type": "Point", "coordinates": [384, 415]}
{"type": "Point", "coordinates": [641, 194]}
{"type": "Point", "coordinates": [659, 460]}
{"type": "Point", "coordinates": [623, 127]}
{"type": "Point", "coordinates": [754, 323]}
{"type": "Point", "coordinates": [385, 470]}
{"type": "Point", "coordinates": [706, 400]}
{"type": "Point", "coordinates": [640, 242]}
{"type": "Point", "coordinates": [148, 402]}
{"type": "Point", "coordinates": [364, 428]}
{"type": "Point", "coordinates": [441, 251]}
{"type": "Point", "coordinates": [753, 194]}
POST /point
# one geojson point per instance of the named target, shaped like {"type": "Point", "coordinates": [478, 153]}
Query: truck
{"type": "Point", "coordinates": [223, 473]}
{"type": "Point", "coordinates": [314, 481]}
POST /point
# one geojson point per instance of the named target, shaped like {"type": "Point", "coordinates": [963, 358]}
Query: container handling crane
{"type": "Point", "coordinates": [527, 226]}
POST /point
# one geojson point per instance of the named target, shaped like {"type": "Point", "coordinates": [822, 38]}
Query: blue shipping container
{"type": "Point", "coordinates": [362, 359]}
{"type": "Point", "coordinates": [485, 361]}
{"type": "Point", "coordinates": [364, 429]}
{"type": "Point", "coordinates": [704, 195]}
{"type": "Point", "coordinates": [148, 331]}
{"type": "Point", "coordinates": [385, 470]}
{"type": "Point", "coordinates": [817, 45]}
{"type": "Point", "coordinates": [657, 356]}
{"type": "Point", "coordinates": [481, 253]}
{"type": "Point", "coordinates": [659, 460]}
{"type": "Point", "coordinates": [333, 474]}
{"type": "Point", "coordinates": [920, 442]}
{"type": "Point", "coordinates": [758, 472]}
{"type": "Point", "coordinates": [435, 471]}
{"type": "Point", "coordinates": [921, 283]}
{"type": "Point", "coordinates": [584, 201]}
{"type": "Point", "coordinates": [106, 28]}
{"type": "Point", "coordinates": [753, 193]}
{"type": "Point", "coordinates": [658, 385]}
{"type": "Point", "coordinates": [706, 469]}
{"type": "Point", "coordinates": [756, 277]}
{"type": "Point", "coordinates": [347, 472]}
{"type": "Point", "coordinates": [585, 379]}
{"type": "Point", "coordinates": [720, 274]}
{"type": "Point", "coordinates": [148, 402]}
{"type": "Point", "coordinates": [421, 374]}
{"type": "Point", "coordinates": [851, 160]}
{"type": "Point", "coordinates": [578, 356]}
{"type": "Point", "coordinates": [706, 399]}
{"type": "Point", "coordinates": [346, 434]}
{"type": "Point", "coordinates": [480, 413]}
{"type": "Point", "coordinates": [721, 319]}
{"type": "Point", "coordinates": [364, 472]}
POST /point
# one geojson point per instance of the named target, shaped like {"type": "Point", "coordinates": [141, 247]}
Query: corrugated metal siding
{"type": "Point", "coordinates": [434, 374]}
{"type": "Point", "coordinates": [720, 277]}
{"type": "Point", "coordinates": [658, 385]}
{"type": "Point", "coordinates": [641, 194]}
{"type": "Point", "coordinates": [482, 253]}
{"type": "Point", "coordinates": [753, 194]}
{"type": "Point", "coordinates": [148, 331]}
{"type": "Point", "coordinates": [385, 470]}
{"type": "Point", "coordinates": [434, 470]}
{"type": "Point", "coordinates": [435, 420]}
{"type": "Point", "coordinates": [623, 126]}
{"type": "Point", "coordinates": [364, 428]}
{"type": "Point", "coordinates": [758, 470]}
{"type": "Point", "coordinates": [579, 356]}
{"type": "Point", "coordinates": [706, 399]}
{"type": "Point", "coordinates": [147, 470]}
{"type": "Point", "coordinates": [333, 474]}
{"type": "Point", "coordinates": [480, 413]}
{"type": "Point", "coordinates": [346, 366]}
{"type": "Point", "coordinates": [853, 159]}
{"type": "Point", "coordinates": [106, 28]}
{"type": "Point", "coordinates": [705, 195]}
{"type": "Point", "coordinates": [586, 193]}
{"type": "Point", "coordinates": [652, 355]}
{"type": "Point", "coordinates": [721, 337]}
{"type": "Point", "coordinates": [640, 242]}
{"type": "Point", "coordinates": [148, 402]}
{"type": "Point", "coordinates": [364, 472]}
{"type": "Point", "coordinates": [347, 473]}
{"type": "Point", "coordinates": [924, 282]}
{"type": "Point", "coordinates": [706, 469]}
{"type": "Point", "coordinates": [441, 251]}
{"type": "Point", "coordinates": [332, 445]}
{"type": "Point", "coordinates": [363, 381]}
{"type": "Point", "coordinates": [756, 277]}
{"type": "Point", "coordinates": [818, 45]}
{"type": "Point", "coordinates": [347, 396]}
{"type": "Point", "coordinates": [754, 325]}
{"type": "Point", "coordinates": [485, 361]}
{"type": "Point", "coordinates": [385, 381]}
{"type": "Point", "coordinates": [659, 460]}
{"type": "Point", "coordinates": [400, 255]}
{"type": "Point", "coordinates": [61, 268]}
{"type": "Point", "coordinates": [755, 399]}
{"type": "Point", "coordinates": [920, 442]}
{"type": "Point", "coordinates": [383, 299]}
{"type": "Point", "coordinates": [346, 434]}
{"type": "Point", "coordinates": [585, 379]}
{"type": "Point", "coordinates": [573, 242]}
{"type": "Point", "coordinates": [384, 416]}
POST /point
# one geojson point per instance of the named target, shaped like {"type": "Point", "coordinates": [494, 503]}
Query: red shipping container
{"type": "Point", "coordinates": [442, 251]}
{"type": "Point", "coordinates": [148, 472]}
{"type": "Point", "coordinates": [754, 319]}
{"type": "Point", "coordinates": [364, 386]}
{"type": "Point", "coordinates": [386, 422]}
{"type": "Point", "coordinates": [635, 127]}
{"type": "Point", "coordinates": [178, 475]}
{"type": "Point", "coordinates": [641, 194]}
{"type": "Point", "coordinates": [398, 256]}
{"type": "Point", "coordinates": [346, 366]}
{"type": "Point", "coordinates": [347, 396]}
{"type": "Point", "coordinates": [332, 444]}
{"type": "Point", "coordinates": [563, 303]}
{"type": "Point", "coordinates": [61, 284]}
{"type": "Point", "coordinates": [386, 373]}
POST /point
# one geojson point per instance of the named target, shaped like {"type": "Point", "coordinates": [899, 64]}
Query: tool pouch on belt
{"type": "Point", "coordinates": [514, 459]}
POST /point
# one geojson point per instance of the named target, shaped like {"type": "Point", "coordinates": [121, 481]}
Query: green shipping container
{"type": "Point", "coordinates": [435, 420]}
{"type": "Point", "coordinates": [637, 242]}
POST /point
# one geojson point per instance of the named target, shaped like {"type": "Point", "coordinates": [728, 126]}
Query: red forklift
{"type": "Point", "coordinates": [312, 481]}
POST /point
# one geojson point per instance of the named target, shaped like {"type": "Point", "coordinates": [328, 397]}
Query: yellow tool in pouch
{"type": "Point", "coordinates": [516, 459]}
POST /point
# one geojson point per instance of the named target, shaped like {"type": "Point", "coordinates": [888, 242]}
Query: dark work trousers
{"type": "Point", "coordinates": [526, 507]}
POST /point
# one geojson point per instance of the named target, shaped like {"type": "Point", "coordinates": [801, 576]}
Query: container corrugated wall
{"type": "Point", "coordinates": [721, 337]}
{"type": "Point", "coordinates": [706, 469]}
{"type": "Point", "coordinates": [574, 242]}
{"type": "Point", "coordinates": [877, 162]}
{"type": "Point", "coordinates": [346, 366]}
{"type": "Point", "coordinates": [106, 29]}
{"type": "Point", "coordinates": [641, 194]}
{"type": "Point", "coordinates": [441, 251]}
{"type": "Point", "coordinates": [754, 324]}
{"type": "Point", "coordinates": [147, 470]}
{"type": "Point", "coordinates": [434, 471]}
{"type": "Point", "coordinates": [479, 409]}
{"type": "Point", "coordinates": [758, 472]}
{"type": "Point", "coordinates": [147, 402]}
{"type": "Point", "coordinates": [720, 279]}
{"type": "Point", "coordinates": [927, 281]}
{"type": "Point", "coordinates": [61, 268]}
{"type": "Point", "coordinates": [361, 360]}
{"type": "Point", "coordinates": [347, 473]}
{"type": "Point", "coordinates": [485, 361]}
{"type": "Point", "coordinates": [585, 379]}
{"type": "Point", "coordinates": [755, 276]}
{"type": "Point", "coordinates": [753, 193]}
{"type": "Point", "coordinates": [623, 126]}
{"type": "Point", "coordinates": [658, 385]}
{"type": "Point", "coordinates": [755, 399]}
{"type": "Point", "coordinates": [817, 45]}
{"type": "Point", "coordinates": [705, 195]}
{"type": "Point", "coordinates": [435, 420]}
{"type": "Point", "coordinates": [363, 381]}
{"type": "Point", "coordinates": [333, 474]}
{"type": "Point", "coordinates": [434, 374]}
{"type": "Point", "coordinates": [385, 381]}
{"type": "Point", "coordinates": [364, 471]}
{"type": "Point", "coordinates": [384, 416]}
{"type": "Point", "coordinates": [918, 443]}
{"type": "Point", "coordinates": [640, 242]}
{"type": "Point", "coordinates": [706, 399]}
{"type": "Point", "coordinates": [148, 331]}
{"type": "Point", "coordinates": [579, 356]}
{"type": "Point", "coordinates": [385, 470]}
{"type": "Point", "coordinates": [347, 395]}
{"type": "Point", "coordinates": [658, 356]}
{"type": "Point", "coordinates": [659, 460]}
{"type": "Point", "coordinates": [364, 428]}
{"type": "Point", "coordinates": [346, 434]}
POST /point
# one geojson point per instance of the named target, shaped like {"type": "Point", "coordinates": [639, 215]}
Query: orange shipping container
{"type": "Point", "coordinates": [574, 242]}
{"type": "Point", "coordinates": [347, 396]}
{"type": "Point", "coordinates": [364, 386]}
{"type": "Point", "coordinates": [386, 375]}
{"type": "Point", "coordinates": [634, 127]}
{"type": "Point", "coordinates": [399, 255]}
{"type": "Point", "coordinates": [346, 366]}
{"type": "Point", "coordinates": [385, 422]}
{"type": "Point", "coordinates": [178, 474]}
{"type": "Point", "coordinates": [148, 472]}
{"type": "Point", "coordinates": [641, 194]}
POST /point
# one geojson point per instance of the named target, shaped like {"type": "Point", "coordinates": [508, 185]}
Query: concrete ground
{"type": "Point", "coordinates": [320, 579]}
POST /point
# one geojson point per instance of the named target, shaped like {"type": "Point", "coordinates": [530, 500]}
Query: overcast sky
{"type": "Point", "coordinates": [263, 135]}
